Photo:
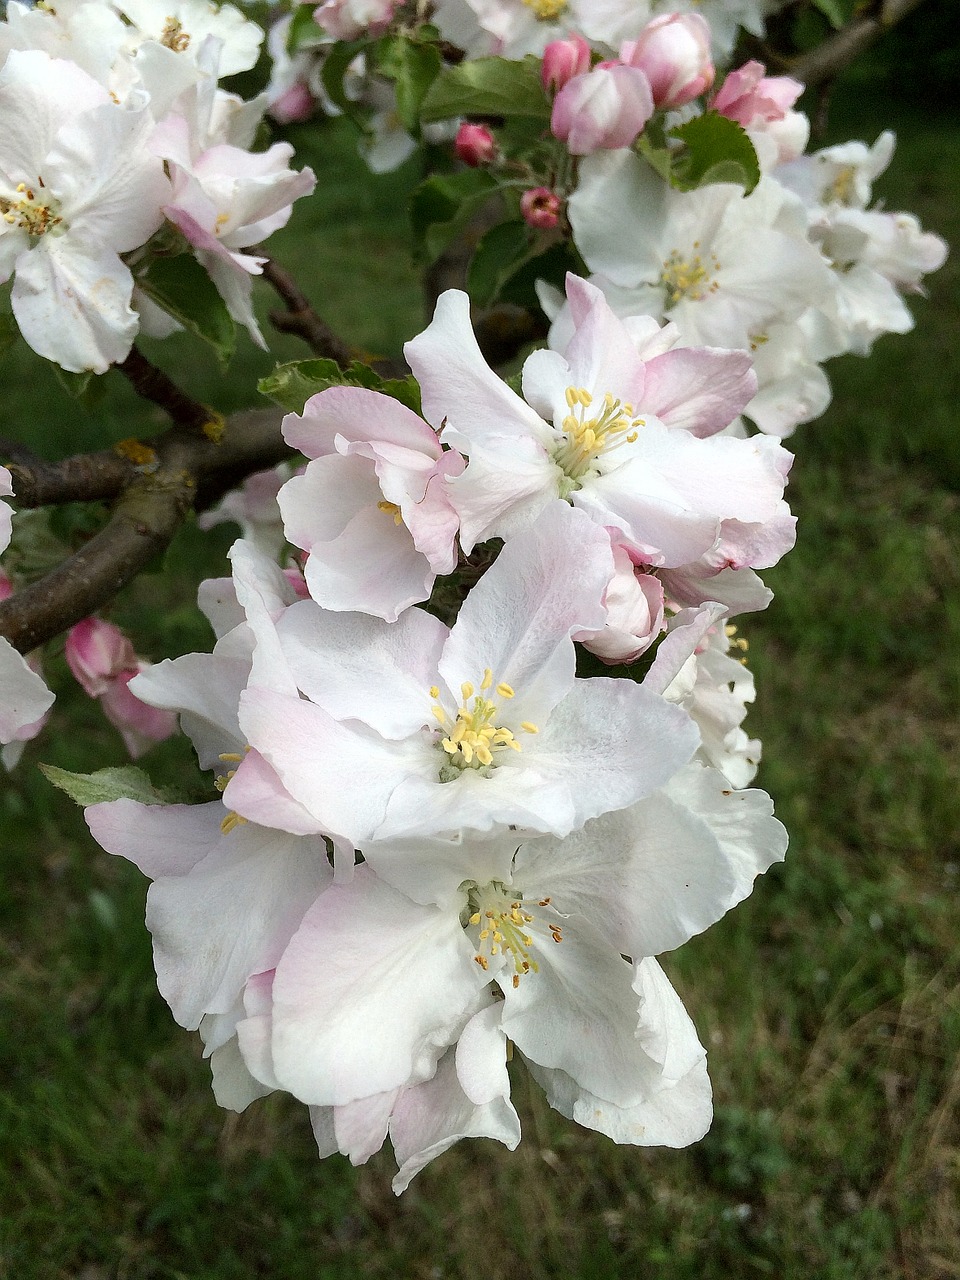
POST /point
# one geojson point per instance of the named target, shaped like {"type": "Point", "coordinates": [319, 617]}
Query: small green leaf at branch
{"type": "Point", "coordinates": [487, 87]}
{"type": "Point", "coordinates": [126, 782]}
{"type": "Point", "coordinates": [715, 149]}
{"type": "Point", "coordinates": [182, 287]}
{"type": "Point", "coordinates": [443, 205]}
{"type": "Point", "coordinates": [292, 385]}
{"type": "Point", "coordinates": [413, 67]}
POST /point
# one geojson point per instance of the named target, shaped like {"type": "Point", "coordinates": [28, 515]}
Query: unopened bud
{"type": "Point", "coordinates": [475, 145]}
{"type": "Point", "coordinates": [674, 53]}
{"type": "Point", "coordinates": [541, 207]}
{"type": "Point", "coordinates": [564, 59]}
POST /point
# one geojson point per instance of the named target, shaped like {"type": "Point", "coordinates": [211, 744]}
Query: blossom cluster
{"type": "Point", "coordinates": [115, 130]}
{"type": "Point", "coordinates": [473, 718]}
{"type": "Point", "coordinates": [435, 847]}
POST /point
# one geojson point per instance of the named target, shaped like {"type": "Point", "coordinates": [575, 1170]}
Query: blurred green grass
{"type": "Point", "coordinates": [829, 1001]}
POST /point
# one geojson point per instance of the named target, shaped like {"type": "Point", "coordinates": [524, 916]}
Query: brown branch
{"type": "Point", "coordinates": [153, 384]}
{"type": "Point", "coordinates": [189, 470]}
{"type": "Point", "coordinates": [845, 45]}
{"type": "Point", "coordinates": [300, 317]}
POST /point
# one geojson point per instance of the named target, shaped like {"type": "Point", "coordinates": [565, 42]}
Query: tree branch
{"type": "Point", "coordinates": [845, 45]}
{"type": "Point", "coordinates": [300, 317]}
{"type": "Point", "coordinates": [187, 470]}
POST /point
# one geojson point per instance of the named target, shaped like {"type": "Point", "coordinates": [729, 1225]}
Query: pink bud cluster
{"type": "Point", "coordinates": [103, 661]}
{"type": "Point", "coordinates": [608, 106]}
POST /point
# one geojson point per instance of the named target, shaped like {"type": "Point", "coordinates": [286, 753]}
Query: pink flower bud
{"type": "Point", "coordinates": [674, 52]}
{"type": "Point", "coordinates": [475, 145]}
{"type": "Point", "coordinates": [6, 586]}
{"type": "Point", "coordinates": [541, 207]}
{"type": "Point", "coordinates": [564, 59]}
{"type": "Point", "coordinates": [139, 725]}
{"type": "Point", "coordinates": [751, 97]}
{"type": "Point", "coordinates": [294, 104]}
{"type": "Point", "coordinates": [97, 652]}
{"type": "Point", "coordinates": [603, 110]}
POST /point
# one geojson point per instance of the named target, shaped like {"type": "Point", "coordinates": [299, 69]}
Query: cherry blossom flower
{"type": "Point", "coordinates": [371, 508]}
{"type": "Point", "coordinates": [602, 109]}
{"type": "Point", "coordinates": [76, 191]}
{"type": "Point", "coordinates": [410, 730]}
{"type": "Point", "coordinates": [673, 51]}
{"type": "Point", "coordinates": [24, 698]}
{"type": "Point", "coordinates": [624, 439]}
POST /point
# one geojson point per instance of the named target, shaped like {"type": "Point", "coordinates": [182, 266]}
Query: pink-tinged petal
{"type": "Point", "coordinates": [342, 775]}
{"type": "Point", "coordinates": [360, 415]}
{"type": "Point", "coordinates": [547, 583]}
{"type": "Point", "coordinates": [344, 662]}
{"type": "Point", "coordinates": [757, 546]}
{"type": "Point", "coordinates": [675, 1115]}
{"type": "Point", "coordinates": [431, 869]}
{"type": "Point", "coordinates": [72, 303]}
{"type": "Point", "coordinates": [205, 689]}
{"type": "Point", "coordinates": [368, 967]}
{"type": "Point", "coordinates": [160, 839]}
{"type": "Point", "coordinates": [508, 482]}
{"type": "Point", "coordinates": [685, 632]}
{"type": "Point", "coordinates": [231, 916]}
{"type": "Point", "coordinates": [372, 567]}
{"type": "Point", "coordinates": [360, 1127]}
{"type": "Point", "coordinates": [634, 604]}
{"type": "Point", "coordinates": [738, 590]}
{"type": "Point", "coordinates": [433, 522]}
{"type": "Point", "coordinates": [458, 385]}
{"type": "Point", "coordinates": [319, 504]}
{"type": "Point", "coordinates": [700, 390]}
{"type": "Point", "coordinates": [138, 724]}
{"type": "Point", "coordinates": [602, 354]}
{"type": "Point", "coordinates": [579, 1012]}
{"type": "Point", "coordinates": [610, 743]}
{"type": "Point", "coordinates": [24, 698]}
{"type": "Point", "coordinates": [265, 797]}
{"type": "Point", "coordinates": [263, 592]}
{"type": "Point", "coordinates": [430, 1117]}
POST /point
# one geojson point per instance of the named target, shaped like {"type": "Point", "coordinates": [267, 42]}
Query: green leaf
{"type": "Point", "coordinates": [304, 32]}
{"type": "Point", "coordinates": [182, 287]}
{"type": "Point", "coordinates": [715, 149]}
{"type": "Point", "coordinates": [487, 87]}
{"type": "Point", "coordinates": [291, 385]}
{"type": "Point", "coordinates": [412, 67]}
{"type": "Point", "coordinates": [124, 783]}
{"type": "Point", "coordinates": [443, 205]}
{"type": "Point", "coordinates": [837, 12]}
{"type": "Point", "coordinates": [335, 66]}
{"type": "Point", "coordinates": [500, 253]}
{"type": "Point", "coordinates": [75, 384]}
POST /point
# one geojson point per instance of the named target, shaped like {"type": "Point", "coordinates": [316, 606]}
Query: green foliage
{"type": "Point", "coordinates": [304, 32]}
{"type": "Point", "coordinates": [124, 783]}
{"type": "Point", "coordinates": [488, 87]}
{"type": "Point", "coordinates": [500, 253]}
{"type": "Point", "coordinates": [183, 288]}
{"type": "Point", "coordinates": [292, 385]}
{"type": "Point", "coordinates": [715, 149]}
{"type": "Point", "coordinates": [443, 205]}
{"type": "Point", "coordinates": [413, 66]}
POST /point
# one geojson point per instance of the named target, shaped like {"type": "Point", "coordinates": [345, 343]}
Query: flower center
{"type": "Point", "coordinates": [474, 736]}
{"type": "Point", "coordinates": [688, 277]}
{"type": "Point", "coordinates": [546, 10]}
{"type": "Point", "coordinates": [842, 188]}
{"type": "Point", "coordinates": [174, 36]}
{"type": "Point", "coordinates": [35, 215]}
{"type": "Point", "coordinates": [501, 925]}
{"type": "Point", "coordinates": [587, 433]}
{"type": "Point", "coordinates": [391, 509]}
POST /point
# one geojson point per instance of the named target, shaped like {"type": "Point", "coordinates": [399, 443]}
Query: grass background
{"type": "Point", "coordinates": [829, 1001]}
